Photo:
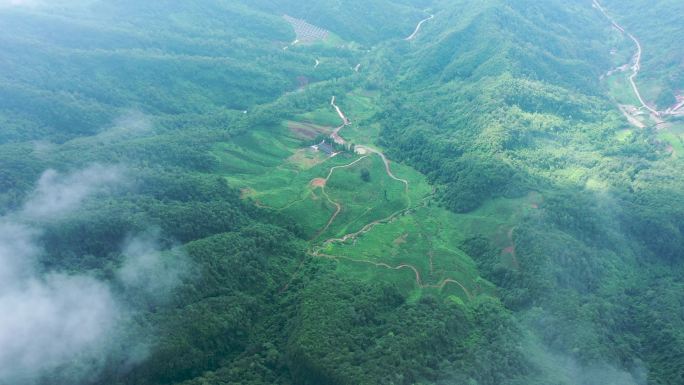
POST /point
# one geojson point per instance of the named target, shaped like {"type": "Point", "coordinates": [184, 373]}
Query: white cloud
{"type": "Point", "coordinates": [46, 320]}
{"type": "Point", "coordinates": [57, 194]}
{"type": "Point", "coordinates": [53, 320]}
{"type": "Point", "coordinates": [50, 319]}
{"type": "Point", "coordinates": [17, 251]}
{"type": "Point", "coordinates": [149, 270]}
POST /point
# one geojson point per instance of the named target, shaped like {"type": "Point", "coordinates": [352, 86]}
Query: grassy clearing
{"type": "Point", "coordinates": [428, 240]}
{"type": "Point", "coordinates": [324, 116]}
{"type": "Point", "coordinates": [623, 135]}
{"type": "Point", "coordinates": [311, 213]}
{"type": "Point", "coordinates": [621, 89]}
{"type": "Point", "coordinates": [674, 136]}
{"type": "Point", "coordinates": [364, 201]}
{"type": "Point", "coordinates": [360, 107]}
{"type": "Point", "coordinates": [275, 169]}
{"type": "Point", "coordinates": [418, 250]}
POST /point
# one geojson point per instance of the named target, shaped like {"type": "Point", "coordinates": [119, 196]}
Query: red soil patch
{"type": "Point", "coordinates": [318, 182]}
{"type": "Point", "coordinates": [303, 81]}
{"type": "Point", "coordinates": [510, 251]}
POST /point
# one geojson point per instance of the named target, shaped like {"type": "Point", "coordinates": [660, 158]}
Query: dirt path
{"type": "Point", "coordinates": [510, 250]}
{"type": "Point", "coordinates": [634, 121]}
{"type": "Point", "coordinates": [338, 209]}
{"type": "Point", "coordinates": [675, 110]}
{"type": "Point", "coordinates": [345, 122]}
{"type": "Point", "coordinates": [341, 114]}
{"type": "Point", "coordinates": [322, 183]}
{"type": "Point", "coordinates": [366, 228]}
{"type": "Point", "coordinates": [420, 24]}
{"type": "Point", "coordinates": [388, 170]}
{"type": "Point", "coordinates": [419, 281]}
{"type": "Point", "coordinates": [335, 136]}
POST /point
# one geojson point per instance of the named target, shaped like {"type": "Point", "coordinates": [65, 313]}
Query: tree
{"type": "Point", "coordinates": [365, 175]}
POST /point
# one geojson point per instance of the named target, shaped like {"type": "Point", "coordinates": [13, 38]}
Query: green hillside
{"type": "Point", "coordinates": [281, 192]}
{"type": "Point", "coordinates": [656, 25]}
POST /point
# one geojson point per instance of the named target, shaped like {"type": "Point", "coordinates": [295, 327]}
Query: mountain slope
{"type": "Point", "coordinates": [489, 215]}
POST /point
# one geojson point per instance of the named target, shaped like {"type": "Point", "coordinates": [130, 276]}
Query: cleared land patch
{"type": "Point", "coordinates": [306, 32]}
{"type": "Point", "coordinates": [308, 131]}
{"type": "Point", "coordinates": [375, 218]}
{"type": "Point", "coordinates": [426, 243]}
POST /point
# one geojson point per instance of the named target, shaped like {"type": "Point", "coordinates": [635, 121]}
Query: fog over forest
{"type": "Point", "coordinates": [447, 192]}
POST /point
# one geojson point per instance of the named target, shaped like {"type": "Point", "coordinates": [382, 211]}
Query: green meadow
{"type": "Point", "coordinates": [395, 231]}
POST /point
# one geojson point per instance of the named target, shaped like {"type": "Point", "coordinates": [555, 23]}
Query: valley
{"type": "Point", "coordinates": [401, 192]}
{"type": "Point", "coordinates": [357, 211]}
{"type": "Point", "coordinates": [667, 121]}
{"type": "Point", "coordinates": [340, 211]}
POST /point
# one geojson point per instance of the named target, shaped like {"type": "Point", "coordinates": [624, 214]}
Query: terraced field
{"type": "Point", "coordinates": [377, 221]}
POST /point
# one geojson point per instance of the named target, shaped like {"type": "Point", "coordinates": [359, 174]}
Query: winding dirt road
{"type": "Point", "coordinates": [388, 170]}
{"type": "Point", "coordinates": [335, 136]}
{"type": "Point", "coordinates": [316, 251]}
{"type": "Point", "coordinates": [636, 67]}
{"type": "Point", "coordinates": [420, 24]}
{"type": "Point", "coordinates": [419, 281]}
{"type": "Point", "coordinates": [338, 206]}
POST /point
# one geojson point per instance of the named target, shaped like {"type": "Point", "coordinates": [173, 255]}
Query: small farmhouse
{"type": "Point", "coordinates": [324, 148]}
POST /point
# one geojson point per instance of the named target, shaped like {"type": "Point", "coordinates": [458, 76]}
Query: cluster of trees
{"type": "Point", "coordinates": [110, 58]}
{"type": "Point", "coordinates": [486, 111]}
{"type": "Point", "coordinates": [499, 121]}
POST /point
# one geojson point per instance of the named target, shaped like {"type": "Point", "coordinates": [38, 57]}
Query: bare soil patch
{"type": "Point", "coordinates": [246, 192]}
{"type": "Point", "coordinates": [401, 239]}
{"type": "Point", "coordinates": [307, 130]}
{"type": "Point", "coordinates": [318, 182]}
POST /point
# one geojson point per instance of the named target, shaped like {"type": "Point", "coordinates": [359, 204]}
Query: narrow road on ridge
{"type": "Point", "coordinates": [345, 122]}
{"type": "Point", "coordinates": [636, 67]}
{"type": "Point", "coordinates": [387, 166]}
{"type": "Point", "coordinates": [420, 24]}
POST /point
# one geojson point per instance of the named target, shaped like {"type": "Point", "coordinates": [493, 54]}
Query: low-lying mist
{"type": "Point", "coordinates": [71, 322]}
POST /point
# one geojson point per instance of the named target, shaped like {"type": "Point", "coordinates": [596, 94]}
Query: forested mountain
{"type": "Point", "coordinates": [656, 27]}
{"type": "Point", "coordinates": [341, 192]}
